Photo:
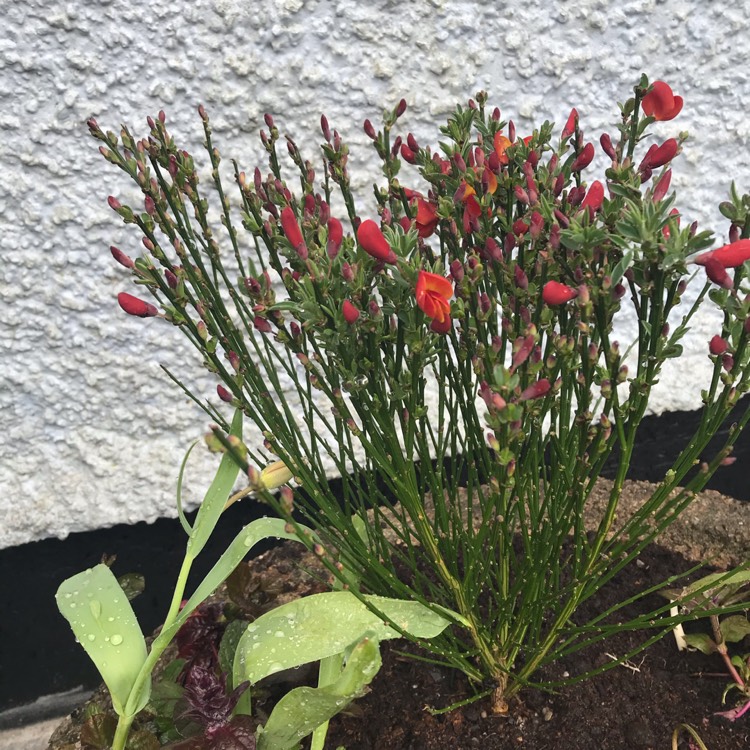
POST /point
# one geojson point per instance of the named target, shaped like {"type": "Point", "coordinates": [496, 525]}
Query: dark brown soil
{"type": "Point", "coordinates": [633, 706]}
{"type": "Point", "coordinates": [636, 706]}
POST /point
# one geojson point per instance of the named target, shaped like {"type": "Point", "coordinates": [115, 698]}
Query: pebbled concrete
{"type": "Point", "coordinates": [93, 432]}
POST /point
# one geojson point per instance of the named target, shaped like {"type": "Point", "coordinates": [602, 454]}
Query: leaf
{"type": "Point", "coordinates": [619, 270]}
{"type": "Point", "coordinates": [98, 731]}
{"type": "Point", "coordinates": [719, 587]}
{"type": "Point", "coordinates": [702, 642]}
{"type": "Point", "coordinates": [735, 628]}
{"type": "Point", "coordinates": [216, 497]}
{"type": "Point", "coordinates": [229, 641]}
{"type": "Point", "coordinates": [322, 625]}
{"type": "Point", "coordinates": [262, 528]}
{"type": "Point", "coordinates": [106, 626]}
{"type": "Point", "coordinates": [301, 710]}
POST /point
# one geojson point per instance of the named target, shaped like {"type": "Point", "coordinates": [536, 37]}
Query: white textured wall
{"type": "Point", "coordinates": [92, 431]}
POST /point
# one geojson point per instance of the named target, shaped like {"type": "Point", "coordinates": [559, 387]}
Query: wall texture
{"type": "Point", "coordinates": [93, 431]}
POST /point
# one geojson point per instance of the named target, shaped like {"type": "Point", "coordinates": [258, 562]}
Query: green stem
{"type": "Point", "coordinates": [121, 733]}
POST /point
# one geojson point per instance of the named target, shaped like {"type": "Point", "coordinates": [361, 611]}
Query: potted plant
{"type": "Point", "coordinates": [459, 361]}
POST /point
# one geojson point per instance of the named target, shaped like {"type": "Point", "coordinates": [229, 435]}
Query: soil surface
{"type": "Point", "coordinates": [637, 705]}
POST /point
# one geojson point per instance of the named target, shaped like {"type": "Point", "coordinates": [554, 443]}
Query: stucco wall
{"type": "Point", "coordinates": [92, 430]}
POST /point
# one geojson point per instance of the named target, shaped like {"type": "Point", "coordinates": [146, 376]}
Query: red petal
{"type": "Point", "coordinates": [374, 243]}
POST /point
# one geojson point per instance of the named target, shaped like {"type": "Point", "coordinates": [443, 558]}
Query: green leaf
{"type": "Point", "coordinates": [619, 270]}
{"type": "Point", "coordinates": [105, 625]}
{"type": "Point", "coordinates": [321, 625]}
{"type": "Point", "coordinates": [301, 710]}
{"type": "Point", "coordinates": [701, 641]}
{"type": "Point", "coordinates": [216, 497]}
{"type": "Point", "coordinates": [229, 642]}
{"type": "Point", "coordinates": [735, 628]}
{"type": "Point", "coordinates": [181, 514]}
{"type": "Point", "coordinates": [262, 528]}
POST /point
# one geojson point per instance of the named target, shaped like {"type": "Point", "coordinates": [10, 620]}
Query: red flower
{"type": "Point", "coordinates": [292, 231]}
{"type": "Point", "coordinates": [584, 158]}
{"type": "Point", "coordinates": [427, 218]}
{"type": "Point", "coordinates": [729, 256]}
{"type": "Point", "coordinates": [658, 156]}
{"type": "Point", "coordinates": [374, 243]}
{"type": "Point", "coordinates": [555, 293]}
{"type": "Point", "coordinates": [351, 314]}
{"type": "Point", "coordinates": [594, 197]}
{"type": "Point", "coordinates": [660, 103]}
{"type": "Point", "coordinates": [134, 306]}
{"type": "Point", "coordinates": [433, 297]}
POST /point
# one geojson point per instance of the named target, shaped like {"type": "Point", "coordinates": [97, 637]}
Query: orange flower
{"type": "Point", "coordinates": [427, 218]}
{"type": "Point", "coordinates": [501, 145]}
{"type": "Point", "coordinates": [660, 103]}
{"type": "Point", "coordinates": [433, 297]}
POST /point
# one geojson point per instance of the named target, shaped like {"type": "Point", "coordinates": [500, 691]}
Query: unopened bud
{"type": "Point", "coordinates": [121, 258]}
{"type": "Point", "coordinates": [224, 394]}
{"type": "Point", "coordinates": [135, 306]}
{"type": "Point", "coordinates": [274, 475]}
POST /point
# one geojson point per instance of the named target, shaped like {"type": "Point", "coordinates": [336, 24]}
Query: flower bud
{"type": "Point", "coordinates": [172, 280]}
{"type": "Point", "coordinates": [520, 278]}
{"type": "Point", "coordinates": [555, 293]}
{"type": "Point", "coordinates": [718, 274]}
{"type": "Point", "coordinates": [457, 270]}
{"type": "Point", "coordinates": [292, 231]}
{"type": "Point", "coordinates": [662, 186]}
{"type": "Point", "coordinates": [370, 130]}
{"type": "Point", "coordinates": [274, 475]}
{"type": "Point", "coordinates": [350, 312]}
{"type": "Point", "coordinates": [326, 130]}
{"type": "Point", "coordinates": [374, 243]}
{"type": "Point", "coordinates": [408, 155]}
{"type": "Point", "coordinates": [224, 394]}
{"type": "Point", "coordinates": [607, 147]}
{"type": "Point", "coordinates": [584, 158]}
{"type": "Point", "coordinates": [594, 197]}
{"type": "Point", "coordinates": [135, 306]}
{"type": "Point", "coordinates": [335, 237]}
{"type": "Point", "coordinates": [535, 390]}
{"type": "Point", "coordinates": [234, 361]}
{"type": "Point", "coordinates": [717, 345]}
{"type": "Point", "coordinates": [570, 124]}
{"type": "Point", "coordinates": [121, 258]}
{"type": "Point", "coordinates": [261, 324]}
